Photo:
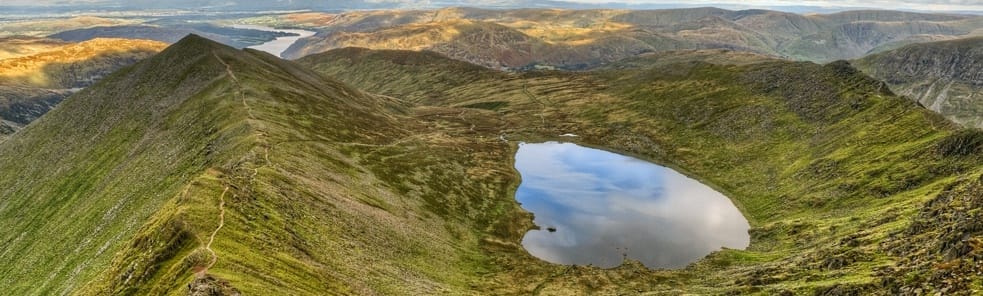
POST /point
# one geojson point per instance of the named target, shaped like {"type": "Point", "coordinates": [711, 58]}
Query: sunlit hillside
{"type": "Point", "coordinates": [580, 38]}
{"type": "Point", "coordinates": [75, 65]}
{"type": "Point", "coordinates": [228, 148]}
{"type": "Point", "coordinates": [19, 46]}
{"type": "Point", "coordinates": [44, 72]}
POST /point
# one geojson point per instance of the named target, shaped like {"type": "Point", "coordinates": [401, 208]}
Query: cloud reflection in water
{"type": "Point", "coordinates": [603, 205]}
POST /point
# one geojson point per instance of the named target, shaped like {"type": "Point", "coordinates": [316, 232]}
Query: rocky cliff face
{"type": "Point", "coordinates": [945, 76]}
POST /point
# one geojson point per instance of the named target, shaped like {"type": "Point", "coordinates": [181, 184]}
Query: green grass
{"type": "Point", "coordinates": [81, 182]}
{"type": "Point", "coordinates": [327, 189]}
{"type": "Point", "coordinates": [815, 156]}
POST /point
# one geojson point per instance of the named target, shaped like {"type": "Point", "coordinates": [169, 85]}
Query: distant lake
{"type": "Point", "coordinates": [280, 44]}
{"type": "Point", "coordinates": [595, 207]}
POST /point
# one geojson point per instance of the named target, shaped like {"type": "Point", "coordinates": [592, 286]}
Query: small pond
{"type": "Point", "coordinates": [596, 207]}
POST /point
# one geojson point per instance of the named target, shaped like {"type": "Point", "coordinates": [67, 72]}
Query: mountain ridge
{"type": "Point", "coordinates": [239, 140]}
{"type": "Point", "coordinates": [277, 177]}
{"type": "Point", "coordinates": [577, 39]}
{"type": "Point", "coordinates": [945, 76]}
{"type": "Point", "coordinates": [96, 132]}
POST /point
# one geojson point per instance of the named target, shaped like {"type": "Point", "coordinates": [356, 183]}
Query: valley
{"type": "Point", "coordinates": [803, 201]}
{"type": "Point", "coordinates": [472, 151]}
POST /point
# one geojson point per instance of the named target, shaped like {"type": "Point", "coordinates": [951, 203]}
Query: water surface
{"type": "Point", "coordinates": [280, 44]}
{"type": "Point", "coordinates": [596, 207]}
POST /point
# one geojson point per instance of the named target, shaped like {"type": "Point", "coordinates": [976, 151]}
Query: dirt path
{"type": "Point", "coordinates": [542, 114]}
{"type": "Point", "coordinates": [221, 204]}
{"type": "Point", "coordinates": [461, 116]}
{"type": "Point", "coordinates": [211, 239]}
{"type": "Point", "coordinates": [266, 156]}
{"type": "Point", "coordinates": [242, 97]}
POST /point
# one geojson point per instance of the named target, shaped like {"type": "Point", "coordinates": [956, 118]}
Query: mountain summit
{"type": "Point", "coordinates": [207, 170]}
{"type": "Point", "coordinates": [170, 169]}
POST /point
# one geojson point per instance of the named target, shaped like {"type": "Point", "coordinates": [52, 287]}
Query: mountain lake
{"type": "Point", "coordinates": [598, 208]}
{"type": "Point", "coordinates": [280, 44]}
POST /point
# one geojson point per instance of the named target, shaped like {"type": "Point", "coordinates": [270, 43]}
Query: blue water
{"type": "Point", "coordinates": [596, 207]}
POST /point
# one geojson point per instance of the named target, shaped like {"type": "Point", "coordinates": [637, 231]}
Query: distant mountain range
{"type": "Point", "coordinates": [24, 6]}
{"type": "Point", "coordinates": [528, 39]}
{"type": "Point", "coordinates": [577, 39]}
{"type": "Point", "coordinates": [238, 38]}
{"type": "Point", "coordinates": [380, 160]}
{"type": "Point", "coordinates": [207, 170]}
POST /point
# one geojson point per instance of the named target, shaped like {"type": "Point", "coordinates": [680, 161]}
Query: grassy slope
{"type": "Point", "coordinates": [267, 178]}
{"type": "Point", "coordinates": [78, 183]}
{"type": "Point", "coordinates": [318, 188]}
{"type": "Point", "coordinates": [824, 164]}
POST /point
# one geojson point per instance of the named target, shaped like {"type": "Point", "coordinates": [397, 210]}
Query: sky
{"type": "Point", "coordinates": [930, 5]}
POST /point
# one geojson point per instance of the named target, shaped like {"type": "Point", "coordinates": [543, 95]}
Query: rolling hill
{"type": "Point", "coordinates": [206, 170]}
{"type": "Point", "coordinates": [945, 76]}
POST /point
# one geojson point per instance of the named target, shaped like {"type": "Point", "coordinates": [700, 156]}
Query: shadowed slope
{"type": "Point", "coordinates": [945, 76]}
{"type": "Point", "coordinates": [405, 68]}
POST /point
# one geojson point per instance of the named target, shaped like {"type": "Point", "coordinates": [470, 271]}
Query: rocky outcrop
{"type": "Point", "coordinates": [210, 286]}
